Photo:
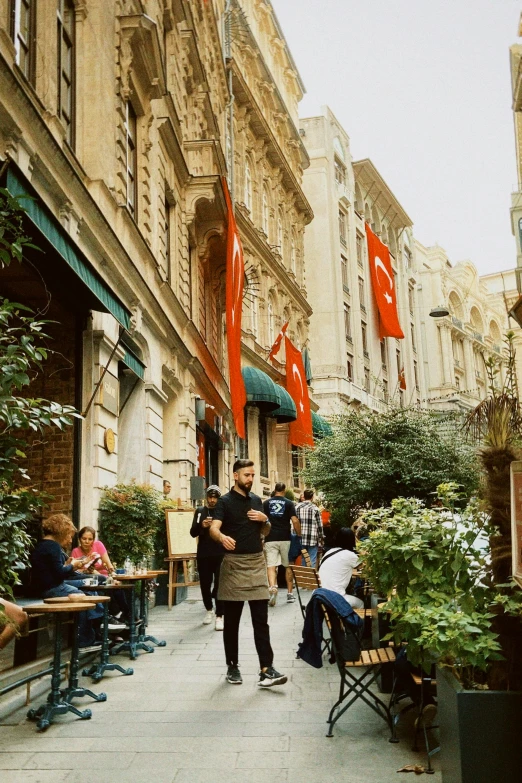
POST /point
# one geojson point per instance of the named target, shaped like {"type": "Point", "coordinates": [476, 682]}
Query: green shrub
{"type": "Point", "coordinates": [130, 518]}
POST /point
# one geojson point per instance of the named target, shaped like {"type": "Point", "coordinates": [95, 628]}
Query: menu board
{"type": "Point", "coordinates": [179, 540]}
{"type": "Point", "coordinates": [516, 519]}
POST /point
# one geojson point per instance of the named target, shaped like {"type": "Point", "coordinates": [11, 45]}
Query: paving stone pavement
{"type": "Point", "coordinates": [177, 720]}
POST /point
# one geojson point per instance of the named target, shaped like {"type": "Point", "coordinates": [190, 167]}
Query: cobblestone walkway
{"type": "Point", "coordinates": [177, 719]}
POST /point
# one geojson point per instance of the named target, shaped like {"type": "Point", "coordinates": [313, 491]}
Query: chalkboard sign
{"type": "Point", "coordinates": [179, 540]}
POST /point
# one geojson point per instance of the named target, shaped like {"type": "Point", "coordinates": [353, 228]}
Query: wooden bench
{"type": "Point", "coordinates": [357, 686]}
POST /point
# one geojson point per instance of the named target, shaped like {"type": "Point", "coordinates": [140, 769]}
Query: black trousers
{"type": "Point", "coordinates": [259, 615]}
{"type": "Point", "coordinates": [208, 569]}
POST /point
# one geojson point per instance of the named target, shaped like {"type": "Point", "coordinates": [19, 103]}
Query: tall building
{"type": "Point", "coordinates": [117, 123]}
{"type": "Point", "coordinates": [352, 366]}
{"type": "Point", "coordinates": [457, 345]}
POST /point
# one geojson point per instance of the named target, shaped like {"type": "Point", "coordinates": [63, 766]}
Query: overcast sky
{"type": "Point", "coordinates": [423, 88]}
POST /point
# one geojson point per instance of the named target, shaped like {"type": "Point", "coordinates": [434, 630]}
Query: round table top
{"type": "Point", "coordinates": [137, 577]}
{"type": "Point", "coordinates": [100, 599]}
{"type": "Point", "coordinates": [106, 587]}
{"type": "Point", "coordinates": [65, 606]}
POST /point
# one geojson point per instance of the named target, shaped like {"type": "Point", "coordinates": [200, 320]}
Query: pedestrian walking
{"type": "Point", "coordinates": [311, 525]}
{"type": "Point", "coordinates": [238, 524]}
{"type": "Point", "coordinates": [282, 516]}
{"type": "Point", "coordinates": [209, 556]}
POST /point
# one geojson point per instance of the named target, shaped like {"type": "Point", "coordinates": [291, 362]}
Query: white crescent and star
{"type": "Point", "coordinates": [297, 374]}
{"type": "Point", "coordinates": [379, 264]}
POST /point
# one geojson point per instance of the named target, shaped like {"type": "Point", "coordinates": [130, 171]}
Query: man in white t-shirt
{"type": "Point", "coordinates": [335, 571]}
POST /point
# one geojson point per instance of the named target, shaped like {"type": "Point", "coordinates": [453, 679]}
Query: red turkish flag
{"type": "Point", "coordinates": [235, 273]}
{"type": "Point", "coordinates": [383, 286]}
{"type": "Point", "coordinates": [277, 342]}
{"type": "Point", "coordinates": [301, 428]}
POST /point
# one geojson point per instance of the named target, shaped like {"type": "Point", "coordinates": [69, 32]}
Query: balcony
{"type": "Point", "coordinates": [457, 322]}
{"type": "Point", "coordinates": [478, 336]}
{"type": "Point", "coordinates": [343, 241]}
{"type": "Point", "coordinates": [346, 289]}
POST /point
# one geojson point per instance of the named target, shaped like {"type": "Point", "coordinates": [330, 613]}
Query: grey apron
{"type": "Point", "coordinates": [243, 578]}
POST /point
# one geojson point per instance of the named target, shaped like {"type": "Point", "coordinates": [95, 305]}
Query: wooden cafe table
{"type": "Point", "coordinates": [58, 701]}
{"type": "Point", "coordinates": [138, 639]}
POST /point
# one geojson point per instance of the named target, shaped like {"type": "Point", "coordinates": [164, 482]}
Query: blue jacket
{"type": "Point", "coordinates": [310, 648]}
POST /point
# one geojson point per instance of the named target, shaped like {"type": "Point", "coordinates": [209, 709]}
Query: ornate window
{"type": "Point", "coordinates": [359, 248]}
{"type": "Point", "coordinates": [342, 227]}
{"type": "Point", "coordinates": [248, 186]}
{"type": "Point", "coordinates": [131, 157]}
{"type": "Point", "coordinates": [349, 366]}
{"type": "Point", "coordinates": [344, 273]}
{"type": "Point", "coordinates": [265, 215]}
{"type": "Point", "coordinates": [65, 21]}
{"type": "Point", "coordinates": [347, 323]}
{"type": "Point", "coordinates": [293, 254]}
{"type": "Point", "coordinates": [271, 321]}
{"type": "Point", "coordinates": [23, 25]}
{"type": "Point", "coordinates": [263, 446]}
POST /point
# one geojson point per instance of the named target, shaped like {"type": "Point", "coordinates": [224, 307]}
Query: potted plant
{"type": "Point", "coordinates": [433, 564]}
{"type": "Point", "coordinates": [130, 517]}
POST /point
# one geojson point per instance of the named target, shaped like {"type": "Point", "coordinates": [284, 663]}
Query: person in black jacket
{"type": "Point", "coordinates": [54, 575]}
{"type": "Point", "coordinates": [209, 557]}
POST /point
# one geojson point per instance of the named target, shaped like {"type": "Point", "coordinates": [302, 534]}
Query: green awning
{"type": "Point", "coordinates": [59, 239]}
{"type": "Point", "coordinates": [287, 411]}
{"type": "Point", "coordinates": [131, 361]}
{"type": "Point", "coordinates": [261, 390]}
{"type": "Point", "coordinates": [320, 427]}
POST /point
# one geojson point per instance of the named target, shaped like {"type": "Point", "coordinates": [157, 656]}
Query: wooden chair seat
{"type": "Point", "coordinates": [374, 657]}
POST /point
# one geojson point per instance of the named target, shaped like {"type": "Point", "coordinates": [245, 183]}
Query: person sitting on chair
{"type": "Point", "coordinates": [337, 566]}
{"type": "Point", "coordinates": [13, 622]}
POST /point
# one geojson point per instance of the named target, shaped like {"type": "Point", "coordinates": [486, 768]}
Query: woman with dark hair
{"type": "Point", "coordinates": [90, 546]}
{"type": "Point", "coordinates": [337, 566]}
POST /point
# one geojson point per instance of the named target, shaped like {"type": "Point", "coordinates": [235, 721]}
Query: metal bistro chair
{"type": "Point", "coordinates": [356, 685]}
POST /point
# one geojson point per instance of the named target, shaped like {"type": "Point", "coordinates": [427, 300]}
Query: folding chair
{"type": "Point", "coordinates": [357, 685]}
{"type": "Point", "coordinates": [308, 579]}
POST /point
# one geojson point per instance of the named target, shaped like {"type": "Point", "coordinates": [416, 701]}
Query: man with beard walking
{"type": "Point", "coordinates": [238, 524]}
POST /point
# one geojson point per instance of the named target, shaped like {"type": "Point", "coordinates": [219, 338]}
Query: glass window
{"type": "Point", "coordinates": [248, 186]}
{"type": "Point", "coordinates": [23, 24]}
{"type": "Point", "coordinates": [263, 446]}
{"type": "Point", "coordinates": [340, 172]}
{"type": "Point", "coordinates": [166, 239]}
{"type": "Point", "coordinates": [407, 257]}
{"type": "Point", "coordinates": [411, 299]}
{"type": "Point", "coordinates": [399, 361]}
{"type": "Point", "coordinates": [347, 323]}
{"type": "Point", "coordinates": [384, 356]}
{"type": "Point", "coordinates": [349, 366]}
{"type": "Point", "coordinates": [364, 338]}
{"type": "Point", "coordinates": [266, 211]}
{"type": "Point", "coordinates": [413, 343]}
{"type": "Point", "coordinates": [366, 379]}
{"type": "Point", "coordinates": [416, 374]}
{"type": "Point", "coordinates": [344, 272]}
{"type": "Point", "coordinates": [342, 226]}
{"type": "Point", "coordinates": [271, 322]}
{"type": "Point", "coordinates": [131, 155]}
{"type": "Point", "coordinates": [242, 443]}
{"type": "Point", "coordinates": [65, 20]}
{"type": "Point", "coordinates": [360, 248]}
{"type": "Point", "coordinates": [385, 391]}
{"type": "Point", "coordinates": [362, 297]}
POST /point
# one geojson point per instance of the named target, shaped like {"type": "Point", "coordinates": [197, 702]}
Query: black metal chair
{"type": "Point", "coordinates": [356, 684]}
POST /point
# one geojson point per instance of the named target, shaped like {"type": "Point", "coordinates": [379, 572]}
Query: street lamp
{"type": "Point", "coordinates": [439, 312]}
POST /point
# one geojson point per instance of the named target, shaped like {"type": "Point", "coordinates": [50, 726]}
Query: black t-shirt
{"type": "Point", "coordinates": [279, 510]}
{"type": "Point", "coordinates": [232, 510]}
{"type": "Point", "coordinates": [207, 547]}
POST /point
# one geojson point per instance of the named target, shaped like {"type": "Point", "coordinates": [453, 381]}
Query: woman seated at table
{"type": "Point", "coordinates": [337, 566]}
{"type": "Point", "coordinates": [91, 547]}
{"type": "Point", "coordinates": [54, 575]}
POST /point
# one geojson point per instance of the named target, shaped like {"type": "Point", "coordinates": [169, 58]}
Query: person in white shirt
{"type": "Point", "coordinates": [337, 566]}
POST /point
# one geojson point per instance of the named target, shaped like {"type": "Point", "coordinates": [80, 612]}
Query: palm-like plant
{"type": "Point", "coordinates": [496, 423]}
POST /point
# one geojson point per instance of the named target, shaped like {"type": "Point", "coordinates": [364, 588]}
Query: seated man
{"type": "Point", "coordinates": [54, 575]}
{"type": "Point", "coordinates": [13, 622]}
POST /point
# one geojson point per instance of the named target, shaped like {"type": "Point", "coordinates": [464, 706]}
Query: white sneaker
{"type": "Point", "coordinates": [273, 596]}
{"type": "Point", "coordinates": [219, 624]}
{"type": "Point", "coordinates": [208, 618]}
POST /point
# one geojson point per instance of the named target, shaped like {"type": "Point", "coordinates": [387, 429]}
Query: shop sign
{"type": "Point", "coordinates": [110, 393]}
{"type": "Point", "coordinates": [516, 519]}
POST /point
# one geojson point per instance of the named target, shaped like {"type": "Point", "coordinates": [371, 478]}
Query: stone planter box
{"type": "Point", "coordinates": [480, 733]}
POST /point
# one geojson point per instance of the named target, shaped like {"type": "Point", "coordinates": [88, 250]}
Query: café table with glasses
{"type": "Point", "coordinates": [138, 638]}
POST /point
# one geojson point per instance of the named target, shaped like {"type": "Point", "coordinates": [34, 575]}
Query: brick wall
{"type": "Point", "coordinates": [50, 457]}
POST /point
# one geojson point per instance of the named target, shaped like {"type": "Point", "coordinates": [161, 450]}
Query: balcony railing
{"type": "Point", "coordinates": [478, 336]}
{"type": "Point", "coordinates": [457, 322]}
{"type": "Point", "coordinates": [346, 288]}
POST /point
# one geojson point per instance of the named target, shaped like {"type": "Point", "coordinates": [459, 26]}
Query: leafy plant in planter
{"type": "Point", "coordinates": [130, 518]}
{"type": "Point", "coordinates": [432, 565]}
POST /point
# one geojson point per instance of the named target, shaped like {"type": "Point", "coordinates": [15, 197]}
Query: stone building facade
{"type": "Point", "coordinates": [353, 366]}
{"type": "Point", "coordinates": [114, 118]}
{"type": "Point", "coordinates": [457, 345]}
